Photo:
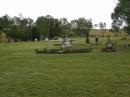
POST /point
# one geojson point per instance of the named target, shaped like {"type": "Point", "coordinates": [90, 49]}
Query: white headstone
{"type": "Point", "coordinates": [46, 39]}
{"type": "Point", "coordinates": [35, 39]}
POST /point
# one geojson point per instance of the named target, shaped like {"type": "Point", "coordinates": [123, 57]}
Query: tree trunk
{"type": "Point", "coordinates": [87, 37]}
{"type": "Point", "coordinates": [102, 33]}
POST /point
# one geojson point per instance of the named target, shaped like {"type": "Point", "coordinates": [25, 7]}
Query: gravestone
{"type": "Point", "coordinates": [46, 39]}
{"type": "Point", "coordinates": [109, 47]}
{"type": "Point", "coordinates": [66, 43]}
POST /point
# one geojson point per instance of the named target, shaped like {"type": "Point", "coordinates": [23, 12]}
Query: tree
{"type": "Point", "coordinates": [48, 26]}
{"type": "Point", "coordinates": [16, 31]}
{"type": "Point", "coordinates": [95, 26]}
{"type": "Point", "coordinates": [44, 24]}
{"type": "Point", "coordinates": [89, 27]}
{"type": "Point", "coordinates": [84, 26]}
{"type": "Point", "coordinates": [5, 23]}
{"type": "Point", "coordinates": [65, 26]}
{"type": "Point", "coordinates": [115, 27]}
{"type": "Point", "coordinates": [29, 27]}
{"type": "Point", "coordinates": [35, 33]}
{"type": "Point", "coordinates": [102, 27]}
{"type": "Point", "coordinates": [21, 28]}
{"type": "Point", "coordinates": [54, 28]}
{"type": "Point", "coordinates": [74, 27]}
{"type": "Point", "coordinates": [122, 14]}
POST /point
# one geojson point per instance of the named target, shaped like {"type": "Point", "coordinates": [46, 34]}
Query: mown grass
{"type": "Point", "coordinates": [96, 74]}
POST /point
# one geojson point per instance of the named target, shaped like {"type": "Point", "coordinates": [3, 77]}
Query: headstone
{"type": "Point", "coordinates": [60, 39]}
{"type": "Point", "coordinates": [66, 43]}
{"type": "Point", "coordinates": [35, 39]}
{"type": "Point", "coordinates": [46, 39]}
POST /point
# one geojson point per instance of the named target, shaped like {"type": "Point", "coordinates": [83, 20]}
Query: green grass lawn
{"type": "Point", "coordinates": [96, 74]}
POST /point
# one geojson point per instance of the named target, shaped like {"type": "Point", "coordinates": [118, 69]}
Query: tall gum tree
{"type": "Point", "coordinates": [121, 14]}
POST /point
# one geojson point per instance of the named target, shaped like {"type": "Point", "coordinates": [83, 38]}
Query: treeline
{"type": "Point", "coordinates": [21, 28]}
{"type": "Point", "coordinates": [121, 16]}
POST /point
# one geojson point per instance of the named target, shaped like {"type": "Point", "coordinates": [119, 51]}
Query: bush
{"type": "Point", "coordinates": [3, 37]}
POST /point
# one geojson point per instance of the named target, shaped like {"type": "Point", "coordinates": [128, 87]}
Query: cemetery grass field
{"type": "Point", "coordinates": [96, 74]}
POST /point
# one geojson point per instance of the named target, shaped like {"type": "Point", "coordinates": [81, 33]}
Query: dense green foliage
{"type": "Point", "coordinates": [84, 26]}
{"type": "Point", "coordinates": [121, 15]}
{"type": "Point", "coordinates": [95, 74]}
{"type": "Point", "coordinates": [21, 28]}
{"type": "Point", "coordinates": [18, 28]}
{"type": "Point", "coordinates": [48, 26]}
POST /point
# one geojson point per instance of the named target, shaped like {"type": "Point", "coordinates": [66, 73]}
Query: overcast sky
{"type": "Point", "coordinates": [97, 10]}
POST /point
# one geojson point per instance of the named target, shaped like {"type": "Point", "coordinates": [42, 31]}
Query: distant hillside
{"type": "Point", "coordinates": [107, 32]}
